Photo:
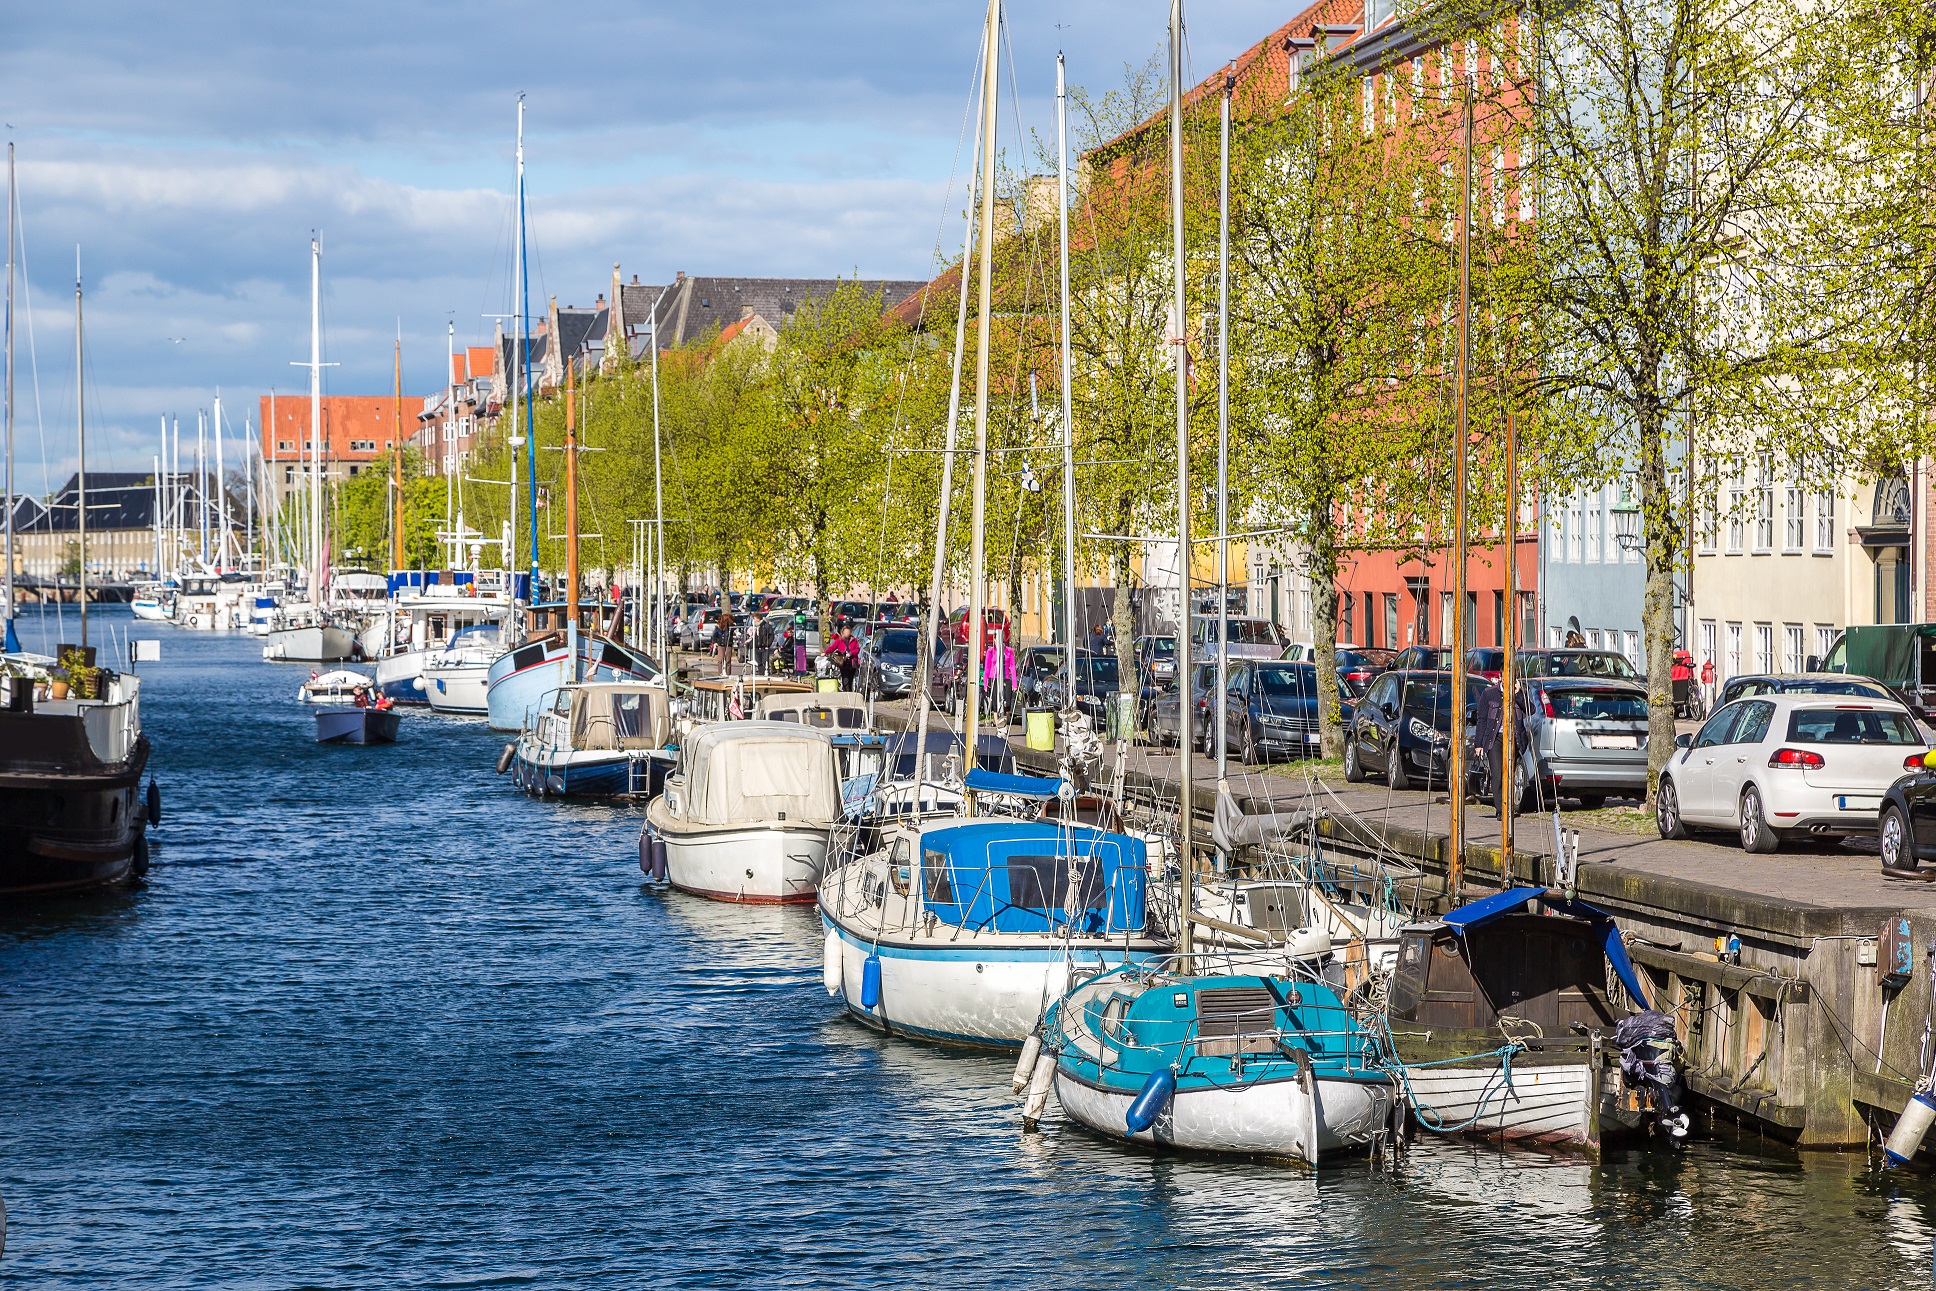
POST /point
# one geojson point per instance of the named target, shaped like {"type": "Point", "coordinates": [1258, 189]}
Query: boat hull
{"type": "Point", "coordinates": [462, 691]}
{"type": "Point", "coordinates": [400, 676]}
{"type": "Point", "coordinates": [327, 644]}
{"type": "Point", "coordinates": [553, 773]}
{"type": "Point", "coordinates": [1272, 1118]}
{"type": "Point", "coordinates": [151, 611]}
{"type": "Point", "coordinates": [357, 726]}
{"type": "Point", "coordinates": [1552, 1104]}
{"type": "Point", "coordinates": [67, 831]}
{"type": "Point", "coordinates": [764, 864]}
{"type": "Point", "coordinates": [519, 681]}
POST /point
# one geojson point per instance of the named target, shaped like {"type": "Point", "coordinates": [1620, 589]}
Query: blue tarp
{"type": "Point", "coordinates": [1500, 903]}
{"type": "Point", "coordinates": [1011, 876]}
{"type": "Point", "coordinates": [1021, 786]}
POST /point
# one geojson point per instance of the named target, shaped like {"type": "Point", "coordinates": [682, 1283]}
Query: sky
{"type": "Point", "coordinates": [190, 150]}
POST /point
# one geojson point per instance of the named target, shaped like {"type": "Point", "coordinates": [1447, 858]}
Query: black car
{"type": "Point", "coordinates": [1165, 719]}
{"type": "Point", "coordinates": [1155, 670]}
{"type": "Point", "coordinates": [1423, 658]}
{"type": "Point", "coordinates": [1906, 827]}
{"type": "Point", "coordinates": [1273, 707]}
{"type": "Point", "coordinates": [1799, 683]}
{"type": "Point", "coordinates": [889, 659]}
{"type": "Point", "coordinates": [1402, 728]}
{"type": "Point", "coordinates": [1358, 665]}
{"type": "Point", "coordinates": [1097, 677]}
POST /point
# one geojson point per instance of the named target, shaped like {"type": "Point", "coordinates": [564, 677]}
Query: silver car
{"type": "Point", "coordinates": [1586, 738]}
{"type": "Point", "coordinates": [1249, 638]}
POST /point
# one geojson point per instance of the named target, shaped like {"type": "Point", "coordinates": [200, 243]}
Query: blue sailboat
{"type": "Point", "coordinates": [520, 680]}
{"type": "Point", "coordinates": [596, 740]}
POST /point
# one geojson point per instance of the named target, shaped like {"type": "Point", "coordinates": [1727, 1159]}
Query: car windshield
{"type": "Point", "coordinates": [1246, 632]}
{"type": "Point", "coordinates": [899, 641]}
{"type": "Point", "coordinates": [1851, 726]}
{"type": "Point", "coordinates": [1434, 698]}
{"type": "Point", "coordinates": [1302, 682]}
{"type": "Point", "coordinates": [1584, 664]}
{"type": "Point", "coordinates": [1598, 705]}
{"type": "Point", "coordinates": [1099, 668]}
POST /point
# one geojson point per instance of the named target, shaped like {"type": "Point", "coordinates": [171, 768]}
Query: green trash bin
{"type": "Point", "coordinates": [1040, 728]}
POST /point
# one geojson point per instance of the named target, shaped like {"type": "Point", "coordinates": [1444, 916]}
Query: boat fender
{"type": "Point", "coordinates": [504, 758]}
{"type": "Point", "coordinates": [556, 784]}
{"type": "Point", "coordinates": [645, 854]}
{"type": "Point", "coordinates": [1025, 1065]}
{"type": "Point", "coordinates": [154, 802]}
{"type": "Point", "coordinates": [1150, 1103]}
{"type": "Point", "coordinates": [140, 866]}
{"type": "Point", "coordinates": [830, 962]}
{"type": "Point", "coordinates": [870, 983]}
{"type": "Point", "coordinates": [1040, 1083]}
{"type": "Point", "coordinates": [417, 683]}
{"type": "Point", "coordinates": [659, 858]}
{"type": "Point", "coordinates": [1917, 1114]}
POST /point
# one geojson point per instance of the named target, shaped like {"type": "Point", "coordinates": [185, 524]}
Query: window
{"type": "Point", "coordinates": [1631, 647]}
{"type": "Point", "coordinates": [1852, 726]}
{"type": "Point", "coordinates": [285, 445]}
{"type": "Point", "coordinates": [1825, 522]}
{"type": "Point", "coordinates": [1765, 503]}
{"type": "Point", "coordinates": [1795, 533]}
{"type": "Point", "coordinates": [362, 445]}
{"type": "Point", "coordinates": [1824, 638]}
{"type": "Point", "coordinates": [1765, 647]}
{"type": "Point", "coordinates": [1593, 638]}
{"type": "Point", "coordinates": [1733, 661]}
{"type": "Point", "coordinates": [1391, 620]}
{"type": "Point", "coordinates": [1707, 642]}
{"type": "Point", "coordinates": [1794, 647]}
{"type": "Point", "coordinates": [1345, 602]}
{"type": "Point", "coordinates": [1708, 523]}
{"type": "Point", "coordinates": [1753, 726]}
{"type": "Point", "coordinates": [1445, 617]}
{"type": "Point", "coordinates": [1575, 539]}
{"type": "Point", "coordinates": [1596, 523]}
{"type": "Point", "coordinates": [1737, 524]}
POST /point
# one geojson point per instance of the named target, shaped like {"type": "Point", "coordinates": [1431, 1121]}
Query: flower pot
{"type": "Point", "coordinates": [60, 690]}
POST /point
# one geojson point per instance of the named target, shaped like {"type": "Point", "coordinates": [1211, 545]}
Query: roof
{"type": "Point", "coordinates": [115, 500]}
{"type": "Point", "coordinates": [694, 307]}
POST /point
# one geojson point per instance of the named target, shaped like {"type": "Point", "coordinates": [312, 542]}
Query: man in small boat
{"type": "Point", "coordinates": [360, 697]}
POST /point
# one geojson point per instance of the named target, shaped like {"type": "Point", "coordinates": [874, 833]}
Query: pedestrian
{"type": "Point", "coordinates": [997, 666]}
{"type": "Point", "coordinates": [1098, 639]}
{"type": "Point", "coordinates": [763, 645]}
{"type": "Point", "coordinates": [1487, 744]}
{"type": "Point", "coordinates": [723, 636]}
{"type": "Point", "coordinates": [1575, 641]}
{"type": "Point", "coordinates": [846, 654]}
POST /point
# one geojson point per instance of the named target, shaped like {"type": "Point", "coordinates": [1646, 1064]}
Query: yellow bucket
{"type": "Point", "coordinates": [1041, 729]}
{"type": "Point", "coordinates": [826, 685]}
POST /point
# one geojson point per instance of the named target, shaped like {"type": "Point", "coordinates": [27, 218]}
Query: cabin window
{"type": "Point", "coordinates": [934, 878]}
{"type": "Point", "coordinates": [785, 715]}
{"type": "Point", "coordinates": [1038, 882]}
{"type": "Point", "coordinates": [630, 715]}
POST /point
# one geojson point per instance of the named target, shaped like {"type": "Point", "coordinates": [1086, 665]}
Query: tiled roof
{"type": "Point", "coordinates": [697, 306]}
{"type": "Point", "coordinates": [115, 500]}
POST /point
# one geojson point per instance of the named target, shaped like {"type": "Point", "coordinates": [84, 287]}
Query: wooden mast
{"type": "Point", "coordinates": [1455, 757]}
{"type": "Point", "coordinates": [571, 505]}
{"type": "Point", "coordinates": [396, 467]}
{"type": "Point", "coordinates": [1186, 794]}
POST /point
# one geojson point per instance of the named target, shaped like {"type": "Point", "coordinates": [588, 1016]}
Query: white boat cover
{"type": "Point", "coordinates": [619, 716]}
{"type": "Point", "coordinates": [747, 772]}
{"type": "Point", "coordinates": [837, 710]}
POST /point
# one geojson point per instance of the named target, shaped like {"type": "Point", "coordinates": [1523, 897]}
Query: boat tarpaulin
{"type": "Point", "coordinates": [1482, 911]}
{"type": "Point", "coordinates": [1020, 786]}
{"type": "Point", "coordinates": [1032, 876]}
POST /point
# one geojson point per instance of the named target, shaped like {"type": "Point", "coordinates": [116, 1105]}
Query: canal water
{"type": "Point", "coordinates": [377, 1020]}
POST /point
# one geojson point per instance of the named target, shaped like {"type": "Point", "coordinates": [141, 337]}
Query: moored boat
{"type": "Point", "coordinates": [517, 682]}
{"type": "Point", "coordinates": [596, 740]}
{"type": "Point", "coordinates": [336, 687]}
{"type": "Point", "coordinates": [357, 725]}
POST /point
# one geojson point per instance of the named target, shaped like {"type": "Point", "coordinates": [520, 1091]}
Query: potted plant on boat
{"type": "Point", "coordinates": [82, 677]}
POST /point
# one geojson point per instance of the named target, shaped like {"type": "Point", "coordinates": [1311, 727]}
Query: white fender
{"type": "Point", "coordinates": [1025, 1065]}
{"type": "Point", "coordinates": [830, 962]}
{"type": "Point", "coordinates": [1038, 1093]}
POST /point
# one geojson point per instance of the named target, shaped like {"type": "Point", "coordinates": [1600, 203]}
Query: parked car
{"type": "Point", "coordinates": [1574, 663]}
{"type": "Point", "coordinates": [1799, 683]}
{"type": "Point", "coordinates": [699, 628]}
{"type": "Point", "coordinates": [1165, 715]}
{"type": "Point", "coordinates": [1357, 665]}
{"type": "Point", "coordinates": [1402, 728]}
{"type": "Point", "coordinates": [1097, 677]}
{"type": "Point", "coordinates": [1300, 652]}
{"type": "Point", "coordinates": [1155, 670]}
{"type": "Point", "coordinates": [992, 621]}
{"type": "Point", "coordinates": [1906, 826]}
{"type": "Point", "coordinates": [1777, 764]}
{"type": "Point", "coordinates": [1249, 638]}
{"type": "Point", "coordinates": [1586, 738]}
{"type": "Point", "coordinates": [1272, 707]}
{"type": "Point", "coordinates": [889, 659]}
{"type": "Point", "coordinates": [1487, 661]}
{"type": "Point", "coordinates": [1423, 658]}
{"type": "Point", "coordinates": [947, 689]}
{"type": "Point", "coordinates": [1033, 666]}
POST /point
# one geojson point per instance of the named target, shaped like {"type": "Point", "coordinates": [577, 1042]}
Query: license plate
{"type": "Point", "coordinates": [1848, 802]}
{"type": "Point", "coordinates": [1311, 737]}
{"type": "Point", "coordinates": [1613, 741]}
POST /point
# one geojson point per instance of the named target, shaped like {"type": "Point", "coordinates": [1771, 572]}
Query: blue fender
{"type": "Point", "coordinates": [1156, 1094]}
{"type": "Point", "coordinates": [870, 983]}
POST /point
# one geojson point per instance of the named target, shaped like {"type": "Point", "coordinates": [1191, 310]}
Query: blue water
{"type": "Point", "coordinates": [377, 1020]}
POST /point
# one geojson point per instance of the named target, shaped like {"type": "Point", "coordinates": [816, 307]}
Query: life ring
{"type": "Point", "coordinates": [194, 620]}
{"type": "Point", "coordinates": [504, 758]}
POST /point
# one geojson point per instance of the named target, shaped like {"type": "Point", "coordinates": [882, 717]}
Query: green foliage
{"type": "Point", "coordinates": [362, 509]}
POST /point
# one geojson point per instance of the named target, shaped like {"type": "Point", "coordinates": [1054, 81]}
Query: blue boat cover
{"type": "Point", "coordinates": [1011, 876]}
{"type": "Point", "coordinates": [1500, 903]}
{"type": "Point", "coordinates": [1022, 786]}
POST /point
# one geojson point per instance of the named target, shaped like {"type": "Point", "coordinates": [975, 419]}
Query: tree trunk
{"type": "Point", "coordinates": [1123, 618]}
{"type": "Point", "coordinates": [1657, 610]}
{"type": "Point", "coordinates": [1322, 565]}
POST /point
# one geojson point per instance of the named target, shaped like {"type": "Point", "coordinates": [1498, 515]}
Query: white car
{"type": "Point", "coordinates": [1776, 764]}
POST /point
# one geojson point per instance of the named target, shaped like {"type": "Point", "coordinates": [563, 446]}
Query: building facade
{"type": "Point", "coordinates": [357, 429]}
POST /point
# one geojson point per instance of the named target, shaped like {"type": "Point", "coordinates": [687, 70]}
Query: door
{"type": "Point", "coordinates": [1731, 767]}
{"type": "Point", "coordinates": [1693, 767]}
{"type": "Point", "coordinates": [1373, 729]}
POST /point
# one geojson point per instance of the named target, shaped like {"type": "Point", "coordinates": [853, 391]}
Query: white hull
{"type": "Point", "coordinates": [1272, 1118]}
{"type": "Point", "coordinates": [328, 644]}
{"type": "Point", "coordinates": [1546, 1104]}
{"type": "Point", "coordinates": [760, 863]}
{"type": "Point", "coordinates": [463, 691]}
{"type": "Point", "coordinates": [401, 673]}
{"type": "Point", "coordinates": [152, 611]}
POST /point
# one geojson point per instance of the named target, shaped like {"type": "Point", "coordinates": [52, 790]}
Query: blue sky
{"type": "Point", "coordinates": [190, 150]}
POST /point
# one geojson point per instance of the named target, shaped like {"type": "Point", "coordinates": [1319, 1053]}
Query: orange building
{"type": "Point", "coordinates": [356, 428]}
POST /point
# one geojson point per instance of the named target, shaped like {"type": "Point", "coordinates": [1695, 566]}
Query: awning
{"type": "Point", "coordinates": [1021, 786]}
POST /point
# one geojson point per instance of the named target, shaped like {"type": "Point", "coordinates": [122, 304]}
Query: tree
{"type": "Point", "coordinates": [363, 510]}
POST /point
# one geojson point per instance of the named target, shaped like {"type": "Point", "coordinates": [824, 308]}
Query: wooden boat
{"type": "Point", "coordinates": [602, 739]}
{"type": "Point", "coordinates": [357, 725]}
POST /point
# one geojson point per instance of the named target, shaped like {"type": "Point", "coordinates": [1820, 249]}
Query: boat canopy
{"type": "Point", "coordinates": [831, 711]}
{"type": "Point", "coordinates": [1017, 877]}
{"type": "Point", "coordinates": [1476, 914]}
{"type": "Point", "coordinates": [752, 772]}
{"type": "Point", "coordinates": [1021, 786]}
{"type": "Point", "coordinates": [619, 715]}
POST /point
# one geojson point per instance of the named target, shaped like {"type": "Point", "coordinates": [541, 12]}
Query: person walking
{"type": "Point", "coordinates": [723, 635]}
{"type": "Point", "coordinates": [763, 644]}
{"type": "Point", "coordinates": [997, 667]}
{"type": "Point", "coordinates": [1486, 743]}
{"type": "Point", "coordinates": [846, 652]}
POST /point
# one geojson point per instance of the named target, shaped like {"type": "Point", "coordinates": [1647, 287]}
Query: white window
{"type": "Point", "coordinates": [1732, 663]}
{"type": "Point", "coordinates": [1555, 635]}
{"type": "Point", "coordinates": [1795, 532]}
{"type": "Point", "coordinates": [1593, 638]}
{"type": "Point", "coordinates": [1707, 642]}
{"type": "Point", "coordinates": [1596, 523]}
{"type": "Point", "coordinates": [1765, 503]}
{"type": "Point", "coordinates": [1794, 648]}
{"type": "Point", "coordinates": [1498, 185]}
{"type": "Point", "coordinates": [1630, 646]}
{"type": "Point", "coordinates": [1825, 522]}
{"type": "Point", "coordinates": [1737, 522]}
{"type": "Point", "coordinates": [1371, 105]}
{"type": "Point", "coordinates": [1576, 532]}
{"type": "Point", "coordinates": [1708, 524]}
{"type": "Point", "coordinates": [1765, 647]}
{"type": "Point", "coordinates": [1824, 638]}
{"type": "Point", "coordinates": [1445, 618]}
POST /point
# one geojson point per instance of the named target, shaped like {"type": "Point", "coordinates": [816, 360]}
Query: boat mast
{"type": "Point", "coordinates": [11, 237]}
{"type": "Point", "coordinates": [571, 510]}
{"type": "Point", "coordinates": [924, 687]}
{"type": "Point", "coordinates": [80, 435]}
{"type": "Point", "coordinates": [164, 445]}
{"type": "Point", "coordinates": [201, 479]}
{"type": "Point", "coordinates": [1068, 398]}
{"type": "Point", "coordinates": [977, 599]}
{"type": "Point", "coordinates": [221, 486]}
{"type": "Point", "coordinates": [316, 422]}
{"type": "Point", "coordinates": [658, 491]}
{"type": "Point", "coordinates": [396, 464]}
{"type": "Point", "coordinates": [1455, 758]}
{"type": "Point", "coordinates": [1223, 438]}
{"type": "Point", "coordinates": [448, 464]}
{"type": "Point", "coordinates": [524, 342]}
{"type": "Point", "coordinates": [1186, 801]}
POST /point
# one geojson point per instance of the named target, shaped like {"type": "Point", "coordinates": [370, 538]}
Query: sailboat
{"type": "Point", "coordinates": [305, 632]}
{"type": "Point", "coordinates": [558, 647]}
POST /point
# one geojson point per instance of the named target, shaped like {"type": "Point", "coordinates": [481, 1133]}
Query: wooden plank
{"type": "Point", "coordinates": [1758, 1103]}
{"type": "Point", "coordinates": [1732, 977]}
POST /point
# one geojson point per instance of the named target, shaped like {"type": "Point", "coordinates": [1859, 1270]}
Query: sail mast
{"type": "Point", "coordinates": [316, 422]}
{"type": "Point", "coordinates": [1068, 399]}
{"type": "Point", "coordinates": [977, 598]}
{"type": "Point", "coordinates": [11, 238]}
{"type": "Point", "coordinates": [571, 508]}
{"type": "Point", "coordinates": [80, 434]}
{"type": "Point", "coordinates": [1223, 434]}
{"type": "Point", "coordinates": [396, 464]}
{"type": "Point", "coordinates": [524, 343]}
{"type": "Point", "coordinates": [1455, 756]}
{"type": "Point", "coordinates": [658, 492]}
{"type": "Point", "coordinates": [1186, 802]}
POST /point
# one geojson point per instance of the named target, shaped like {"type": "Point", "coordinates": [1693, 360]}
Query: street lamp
{"type": "Point", "coordinates": [1626, 527]}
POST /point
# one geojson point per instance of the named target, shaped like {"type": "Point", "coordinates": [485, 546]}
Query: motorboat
{"type": "Point", "coordinates": [421, 623]}
{"type": "Point", "coordinates": [211, 602]}
{"type": "Point", "coordinates": [457, 680]}
{"type": "Point", "coordinates": [154, 602]}
{"type": "Point", "coordinates": [556, 653]}
{"type": "Point", "coordinates": [304, 633]}
{"type": "Point", "coordinates": [1266, 1065]}
{"type": "Point", "coordinates": [737, 697]}
{"type": "Point", "coordinates": [745, 813]}
{"type": "Point", "coordinates": [360, 724]}
{"type": "Point", "coordinates": [964, 931]}
{"type": "Point", "coordinates": [338, 686]}
{"type": "Point", "coordinates": [72, 812]}
{"type": "Point", "coordinates": [596, 740]}
{"type": "Point", "coordinates": [1501, 1026]}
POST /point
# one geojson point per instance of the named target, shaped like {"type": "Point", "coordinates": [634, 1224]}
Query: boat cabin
{"type": "Point", "coordinates": [714, 698]}
{"type": "Point", "coordinates": [1010, 876]}
{"type": "Point", "coordinates": [837, 710]}
{"type": "Point", "coordinates": [752, 773]}
{"type": "Point", "coordinates": [611, 716]}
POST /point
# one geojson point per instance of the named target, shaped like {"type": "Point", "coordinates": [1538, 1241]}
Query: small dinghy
{"type": "Point", "coordinates": [337, 687]}
{"type": "Point", "coordinates": [1251, 1064]}
{"type": "Point", "coordinates": [357, 725]}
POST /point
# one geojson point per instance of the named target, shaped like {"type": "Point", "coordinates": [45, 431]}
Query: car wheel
{"type": "Point", "coordinates": [1756, 836]}
{"type": "Point", "coordinates": [1248, 753]}
{"type": "Point", "coordinates": [1667, 811]}
{"type": "Point", "coordinates": [1898, 846]}
{"type": "Point", "coordinates": [1524, 792]}
{"type": "Point", "coordinates": [1353, 772]}
{"type": "Point", "coordinates": [1395, 768]}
